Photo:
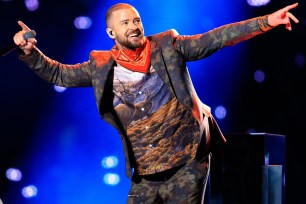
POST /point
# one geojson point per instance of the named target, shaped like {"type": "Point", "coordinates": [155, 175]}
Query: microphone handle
{"type": "Point", "coordinates": [12, 46]}
{"type": "Point", "coordinates": [8, 49]}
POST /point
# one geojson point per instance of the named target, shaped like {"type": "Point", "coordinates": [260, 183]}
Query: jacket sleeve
{"type": "Point", "coordinates": [54, 72]}
{"type": "Point", "coordinates": [195, 47]}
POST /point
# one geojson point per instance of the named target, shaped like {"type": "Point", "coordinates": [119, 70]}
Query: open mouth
{"type": "Point", "coordinates": [134, 35]}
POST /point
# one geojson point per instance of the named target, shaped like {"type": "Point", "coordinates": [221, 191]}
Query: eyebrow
{"type": "Point", "coordinates": [124, 20]}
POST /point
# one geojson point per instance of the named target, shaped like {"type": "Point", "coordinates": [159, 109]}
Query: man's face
{"type": "Point", "coordinates": [127, 29]}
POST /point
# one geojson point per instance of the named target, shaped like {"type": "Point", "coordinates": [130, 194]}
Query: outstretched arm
{"type": "Point", "coordinates": [231, 34]}
{"type": "Point", "coordinates": [52, 71]}
{"type": "Point", "coordinates": [25, 45]}
{"type": "Point", "coordinates": [283, 16]}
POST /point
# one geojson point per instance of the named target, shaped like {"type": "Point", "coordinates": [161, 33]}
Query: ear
{"type": "Point", "coordinates": [110, 33]}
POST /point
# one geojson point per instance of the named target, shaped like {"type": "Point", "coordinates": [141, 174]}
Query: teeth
{"type": "Point", "coordinates": [134, 35]}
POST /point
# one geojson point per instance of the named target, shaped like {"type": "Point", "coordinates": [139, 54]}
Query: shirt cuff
{"type": "Point", "coordinates": [263, 23]}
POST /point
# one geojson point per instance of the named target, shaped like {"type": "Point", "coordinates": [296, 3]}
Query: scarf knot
{"type": "Point", "coordinates": [137, 60]}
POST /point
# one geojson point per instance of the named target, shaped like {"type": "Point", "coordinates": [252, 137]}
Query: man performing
{"type": "Point", "coordinates": [143, 89]}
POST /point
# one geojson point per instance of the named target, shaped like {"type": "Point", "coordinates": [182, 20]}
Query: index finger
{"type": "Point", "coordinates": [23, 26]}
{"type": "Point", "coordinates": [287, 8]}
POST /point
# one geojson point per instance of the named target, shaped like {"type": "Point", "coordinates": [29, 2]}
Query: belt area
{"type": "Point", "coordinates": [163, 175]}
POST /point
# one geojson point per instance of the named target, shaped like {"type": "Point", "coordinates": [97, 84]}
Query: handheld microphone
{"type": "Point", "coordinates": [13, 46]}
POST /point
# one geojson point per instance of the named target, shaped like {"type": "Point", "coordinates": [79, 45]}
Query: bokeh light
{"type": "Point", "coordinates": [59, 89]}
{"type": "Point", "coordinates": [29, 191]}
{"type": "Point", "coordinates": [109, 162]}
{"type": "Point", "coordinates": [82, 22]}
{"type": "Point", "coordinates": [31, 5]}
{"type": "Point", "coordinates": [258, 2]}
{"type": "Point", "coordinates": [111, 179]}
{"type": "Point", "coordinates": [220, 112]}
{"type": "Point", "coordinates": [300, 60]}
{"type": "Point", "coordinates": [259, 76]}
{"type": "Point", "coordinates": [13, 174]}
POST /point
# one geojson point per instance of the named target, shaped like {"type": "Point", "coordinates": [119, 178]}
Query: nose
{"type": "Point", "coordinates": [133, 26]}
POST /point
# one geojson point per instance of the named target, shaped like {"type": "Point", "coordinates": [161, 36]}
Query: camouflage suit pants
{"type": "Point", "coordinates": [185, 184]}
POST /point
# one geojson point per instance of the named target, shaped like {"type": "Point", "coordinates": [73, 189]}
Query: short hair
{"type": "Point", "coordinates": [115, 8]}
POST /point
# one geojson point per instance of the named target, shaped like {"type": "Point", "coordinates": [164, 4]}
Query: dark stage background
{"type": "Point", "coordinates": [57, 140]}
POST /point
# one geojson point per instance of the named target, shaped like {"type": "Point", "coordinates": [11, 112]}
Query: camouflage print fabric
{"type": "Point", "coordinates": [186, 186]}
{"type": "Point", "coordinates": [170, 53]}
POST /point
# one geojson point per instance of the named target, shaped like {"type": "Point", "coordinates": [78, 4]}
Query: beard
{"type": "Point", "coordinates": [131, 44]}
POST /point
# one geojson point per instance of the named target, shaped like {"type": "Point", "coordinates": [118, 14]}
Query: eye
{"type": "Point", "coordinates": [137, 21]}
{"type": "Point", "coordinates": [125, 23]}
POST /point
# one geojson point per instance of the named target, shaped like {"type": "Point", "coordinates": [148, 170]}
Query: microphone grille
{"type": "Point", "coordinates": [29, 34]}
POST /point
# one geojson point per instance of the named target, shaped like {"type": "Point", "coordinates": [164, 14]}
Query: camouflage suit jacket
{"type": "Point", "coordinates": [169, 54]}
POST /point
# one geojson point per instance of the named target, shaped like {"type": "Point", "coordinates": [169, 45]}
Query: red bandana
{"type": "Point", "coordinates": [137, 61]}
